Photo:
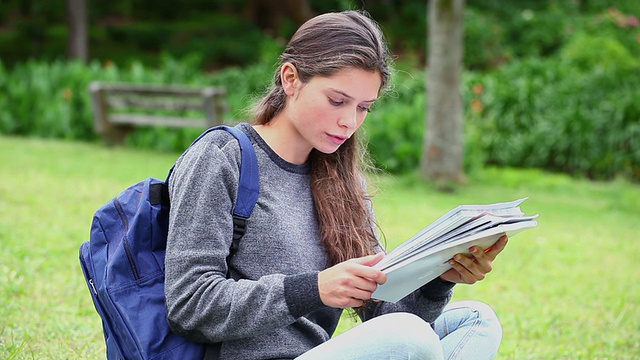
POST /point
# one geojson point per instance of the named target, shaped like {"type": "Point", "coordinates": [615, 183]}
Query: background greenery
{"type": "Point", "coordinates": [551, 87]}
{"type": "Point", "coordinates": [568, 289]}
{"type": "Point", "coordinates": [548, 84]}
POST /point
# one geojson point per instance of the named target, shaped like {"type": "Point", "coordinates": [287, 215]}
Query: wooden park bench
{"type": "Point", "coordinates": [118, 108]}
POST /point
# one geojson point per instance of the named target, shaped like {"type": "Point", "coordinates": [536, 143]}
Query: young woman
{"type": "Point", "coordinates": [311, 239]}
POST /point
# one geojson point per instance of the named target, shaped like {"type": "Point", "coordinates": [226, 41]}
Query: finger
{"type": "Point", "coordinates": [482, 260]}
{"type": "Point", "coordinates": [369, 260]}
{"type": "Point", "coordinates": [361, 267]}
{"type": "Point", "coordinates": [497, 248]}
{"type": "Point", "coordinates": [360, 289]}
{"type": "Point", "coordinates": [366, 273]}
{"type": "Point", "coordinates": [354, 303]}
{"type": "Point", "coordinates": [362, 284]}
{"type": "Point", "coordinates": [451, 275]}
{"type": "Point", "coordinates": [464, 274]}
{"type": "Point", "coordinates": [471, 265]}
{"type": "Point", "coordinates": [361, 294]}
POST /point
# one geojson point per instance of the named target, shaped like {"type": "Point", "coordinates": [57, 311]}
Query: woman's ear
{"type": "Point", "coordinates": [289, 78]}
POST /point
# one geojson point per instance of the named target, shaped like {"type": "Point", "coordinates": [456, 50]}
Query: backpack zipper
{"type": "Point", "coordinates": [89, 279]}
{"type": "Point", "coordinates": [93, 287]}
{"type": "Point", "coordinates": [125, 240]}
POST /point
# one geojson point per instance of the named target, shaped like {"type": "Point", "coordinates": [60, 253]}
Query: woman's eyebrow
{"type": "Point", "coordinates": [349, 96]}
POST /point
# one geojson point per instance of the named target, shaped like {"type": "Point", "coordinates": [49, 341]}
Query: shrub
{"type": "Point", "coordinates": [539, 113]}
{"type": "Point", "coordinates": [549, 114]}
{"type": "Point", "coordinates": [396, 125]}
{"type": "Point", "coordinates": [396, 128]}
{"type": "Point", "coordinates": [51, 99]}
{"type": "Point", "coordinates": [483, 41]}
{"type": "Point", "coordinates": [47, 100]}
{"type": "Point", "coordinates": [602, 52]}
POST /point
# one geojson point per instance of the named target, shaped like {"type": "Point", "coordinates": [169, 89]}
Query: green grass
{"type": "Point", "coordinates": [568, 289]}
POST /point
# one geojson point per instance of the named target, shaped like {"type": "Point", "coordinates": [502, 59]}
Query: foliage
{"type": "Point", "coordinates": [498, 31]}
{"type": "Point", "coordinates": [123, 31]}
{"type": "Point", "coordinates": [557, 117]}
{"type": "Point", "coordinates": [530, 28]}
{"type": "Point", "coordinates": [47, 100]}
{"type": "Point", "coordinates": [52, 99]}
{"type": "Point", "coordinates": [560, 114]}
{"type": "Point", "coordinates": [611, 33]}
{"type": "Point", "coordinates": [50, 190]}
{"type": "Point", "coordinates": [484, 41]}
{"type": "Point", "coordinates": [396, 125]}
{"type": "Point", "coordinates": [545, 90]}
{"type": "Point", "coordinates": [602, 52]}
{"type": "Point", "coordinates": [218, 39]}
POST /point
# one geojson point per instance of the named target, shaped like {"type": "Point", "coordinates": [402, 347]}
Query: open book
{"type": "Point", "coordinates": [426, 255]}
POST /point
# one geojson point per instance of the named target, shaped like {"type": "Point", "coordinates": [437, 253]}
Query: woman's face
{"type": "Point", "coordinates": [326, 111]}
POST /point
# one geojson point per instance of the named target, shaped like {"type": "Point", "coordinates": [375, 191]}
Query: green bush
{"type": "Point", "coordinates": [550, 114]}
{"type": "Point", "coordinates": [395, 126]}
{"type": "Point", "coordinates": [46, 100]}
{"type": "Point", "coordinates": [614, 23]}
{"type": "Point", "coordinates": [51, 99]}
{"type": "Point", "coordinates": [219, 40]}
{"type": "Point", "coordinates": [243, 86]}
{"type": "Point", "coordinates": [483, 41]}
{"type": "Point", "coordinates": [602, 52]}
{"type": "Point", "coordinates": [542, 113]}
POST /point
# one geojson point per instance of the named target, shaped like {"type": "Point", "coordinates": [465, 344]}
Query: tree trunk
{"type": "Point", "coordinates": [442, 155]}
{"type": "Point", "coordinates": [77, 40]}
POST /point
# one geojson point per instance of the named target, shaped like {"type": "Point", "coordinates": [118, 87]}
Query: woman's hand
{"type": "Point", "coordinates": [469, 269]}
{"type": "Point", "coordinates": [350, 283]}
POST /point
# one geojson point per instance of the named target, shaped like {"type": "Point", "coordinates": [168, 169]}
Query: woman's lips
{"type": "Point", "coordinates": [337, 139]}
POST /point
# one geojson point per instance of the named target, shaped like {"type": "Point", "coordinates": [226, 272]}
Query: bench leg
{"type": "Point", "coordinates": [116, 135]}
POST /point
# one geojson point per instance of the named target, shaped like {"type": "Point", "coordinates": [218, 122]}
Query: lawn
{"type": "Point", "coordinates": [568, 289]}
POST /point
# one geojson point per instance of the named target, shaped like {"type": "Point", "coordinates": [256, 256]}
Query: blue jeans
{"type": "Point", "coordinates": [464, 330]}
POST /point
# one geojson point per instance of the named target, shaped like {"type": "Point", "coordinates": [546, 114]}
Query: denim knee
{"type": "Point", "coordinates": [412, 336]}
{"type": "Point", "coordinates": [469, 329]}
{"type": "Point", "coordinates": [480, 311]}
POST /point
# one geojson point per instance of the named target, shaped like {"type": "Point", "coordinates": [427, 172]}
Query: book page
{"type": "Point", "coordinates": [426, 255]}
{"type": "Point", "coordinates": [453, 219]}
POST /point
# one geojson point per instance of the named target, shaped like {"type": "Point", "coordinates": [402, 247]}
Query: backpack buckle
{"type": "Point", "coordinates": [239, 227]}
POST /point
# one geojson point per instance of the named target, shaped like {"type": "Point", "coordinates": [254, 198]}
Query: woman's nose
{"type": "Point", "coordinates": [348, 119]}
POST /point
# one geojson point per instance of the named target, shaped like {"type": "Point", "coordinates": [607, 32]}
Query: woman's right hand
{"type": "Point", "coordinates": [350, 283]}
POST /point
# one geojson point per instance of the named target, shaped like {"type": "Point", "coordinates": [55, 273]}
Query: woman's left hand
{"type": "Point", "coordinates": [469, 269]}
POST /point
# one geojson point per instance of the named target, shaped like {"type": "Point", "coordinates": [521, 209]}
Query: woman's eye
{"type": "Point", "coordinates": [364, 108]}
{"type": "Point", "coordinates": [335, 102]}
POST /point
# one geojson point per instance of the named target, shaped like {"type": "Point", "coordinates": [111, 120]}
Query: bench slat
{"type": "Point", "coordinates": [120, 107]}
{"type": "Point", "coordinates": [157, 89]}
{"type": "Point", "coordinates": [155, 103]}
{"type": "Point", "coordinates": [156, 120]}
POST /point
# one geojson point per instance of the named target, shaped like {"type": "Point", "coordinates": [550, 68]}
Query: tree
{"type": "Point", "coordinates": [77, 41]}
{"type": "Point", "coordinates": [442, 155]}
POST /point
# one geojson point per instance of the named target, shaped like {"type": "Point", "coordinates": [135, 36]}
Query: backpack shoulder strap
{"type": "Point", "coordinates": [249, 184]}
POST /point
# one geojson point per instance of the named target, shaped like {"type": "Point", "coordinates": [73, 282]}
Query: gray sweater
{"type": "Point", "coordinates": [262, 302]}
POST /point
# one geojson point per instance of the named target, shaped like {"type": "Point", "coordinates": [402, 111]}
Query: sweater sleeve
{"type": "Point", "coordinates": [202, 303]}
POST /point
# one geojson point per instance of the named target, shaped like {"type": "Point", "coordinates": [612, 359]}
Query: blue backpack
{"type": "Point", "coordinates": [123, 263]}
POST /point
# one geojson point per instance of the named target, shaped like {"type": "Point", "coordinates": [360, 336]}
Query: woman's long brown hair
{"type": "Point", "coordinates": [321, 47]}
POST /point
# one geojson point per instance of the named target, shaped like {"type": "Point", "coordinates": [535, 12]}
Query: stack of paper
{"type": "Point", "coordinates": [426, 255]}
